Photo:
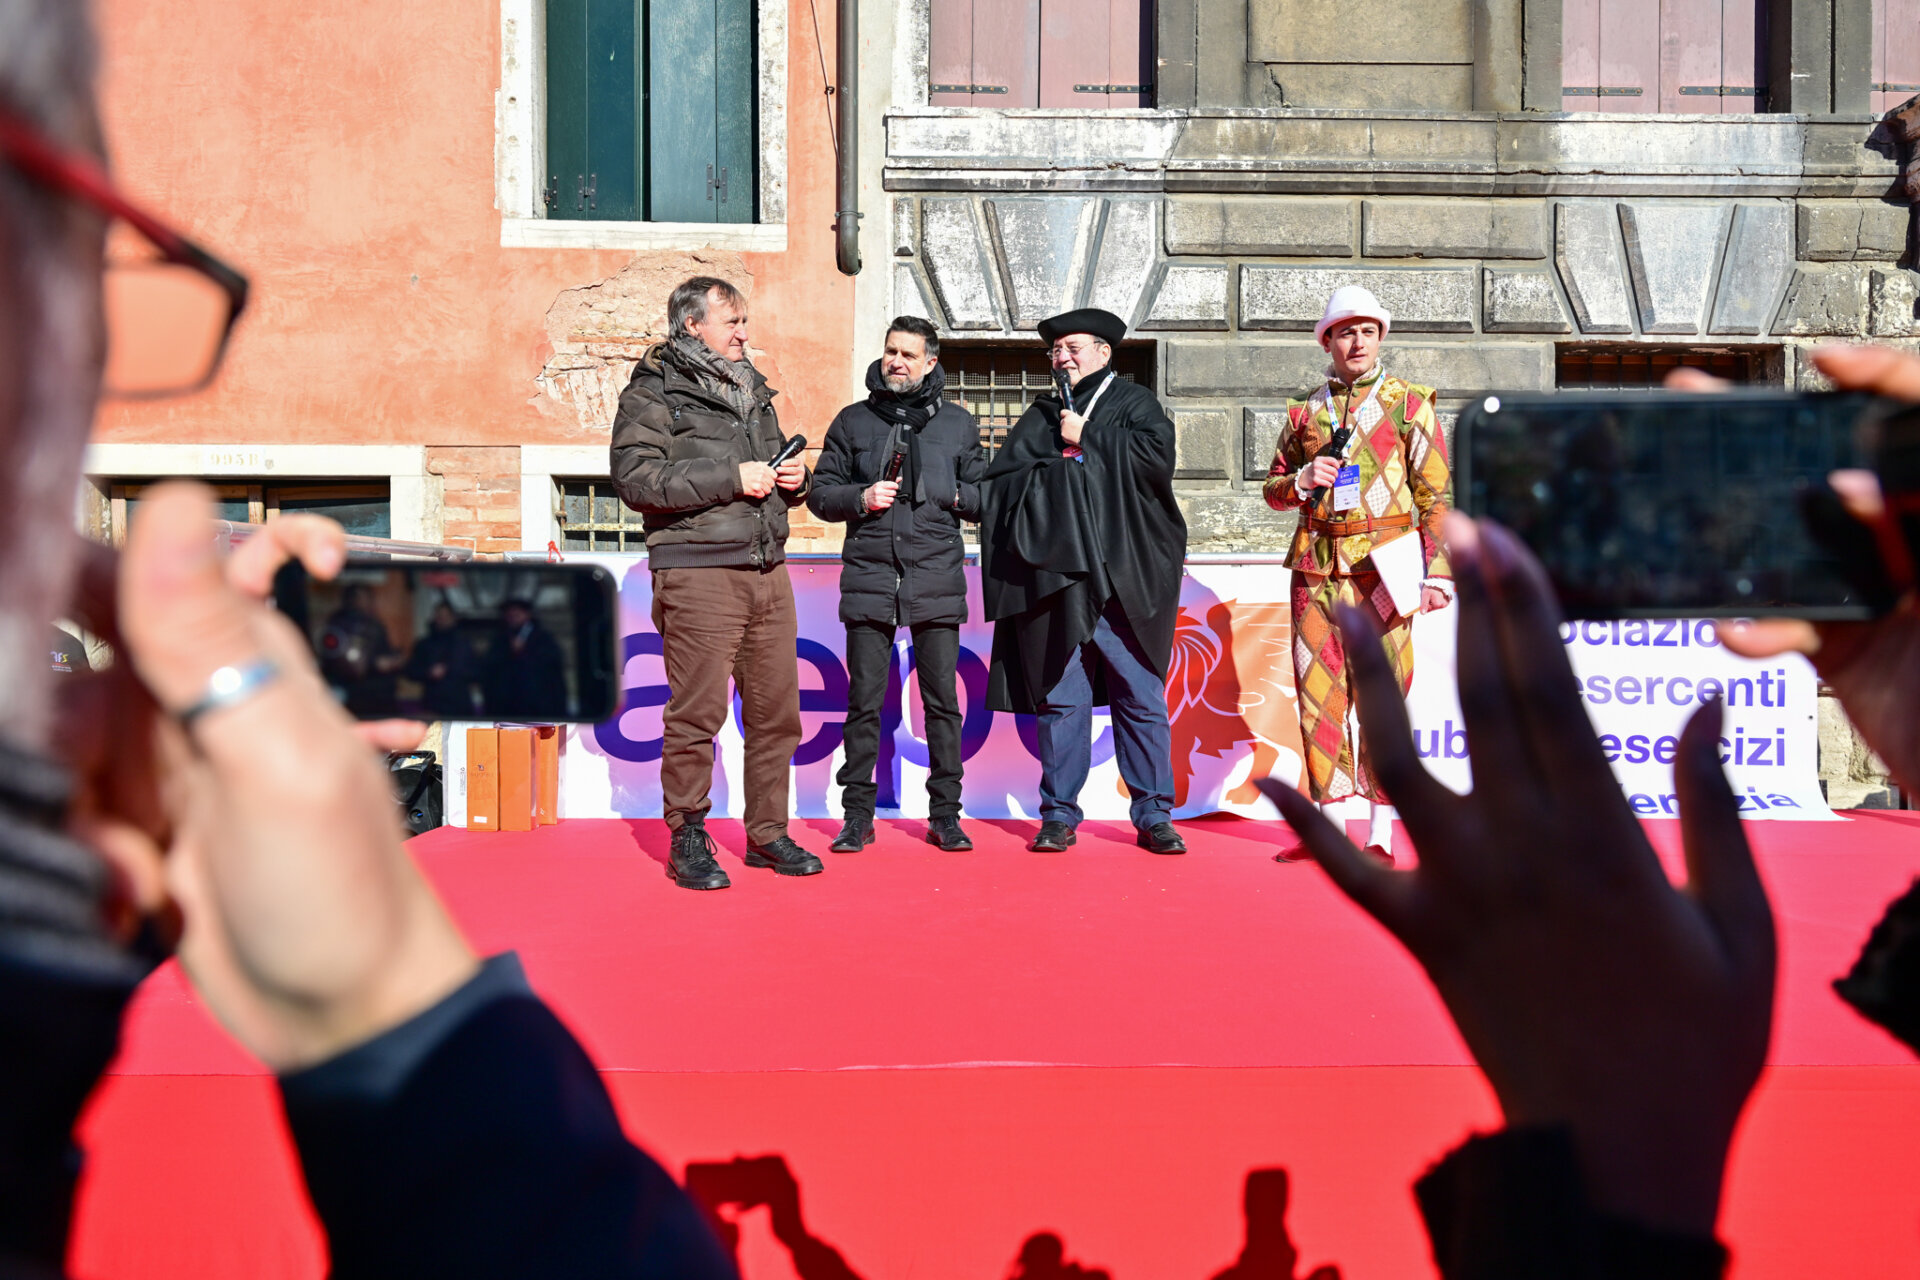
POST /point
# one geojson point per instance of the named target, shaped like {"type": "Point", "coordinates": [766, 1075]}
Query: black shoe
{"type": "Point", "coordinates": [785, 857]}
{"type": "Point", "coordinates": [946, 834]}
{"type": "Point", "coordinates": [691, 864]}
{"type": "Point", "coordinates": [1160, 838]}
{"type": "Point", "coordinates": [1052, 838]}
{"type": "Point", "coordinates": [856, 833]}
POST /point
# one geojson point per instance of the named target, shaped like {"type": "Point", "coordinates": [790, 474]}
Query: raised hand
{"type": "Point", "coordinates": [1593, 993]}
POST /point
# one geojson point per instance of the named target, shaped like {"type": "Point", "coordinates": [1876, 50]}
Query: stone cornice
{"type": "Point", "coordinates": [1389, 152]}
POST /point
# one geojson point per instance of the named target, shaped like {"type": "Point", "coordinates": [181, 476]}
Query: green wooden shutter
{"type": "Point", "coordinates": [596, 160]}
{"type": "Point", "coordinates": [567, 169]}
{"type": "Point", "coordinates": [733, 98]}
{"type": "Point", "coordinates": [701, 151]}
{"type": "Point", "coordinates": [615, 56]}
{"type": "Point", "coordinates": [684, 150]}
{"type": "Point", "coordinates": [651, 110]}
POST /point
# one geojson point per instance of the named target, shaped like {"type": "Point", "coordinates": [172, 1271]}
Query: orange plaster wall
{"type": "Point", "coordinates": [343, 156]}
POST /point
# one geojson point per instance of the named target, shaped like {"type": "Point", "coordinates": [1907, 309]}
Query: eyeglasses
{"type": "Point", "coordinates": [170, 305]}
{"type": "Point", "coordinates": [1068, 347]}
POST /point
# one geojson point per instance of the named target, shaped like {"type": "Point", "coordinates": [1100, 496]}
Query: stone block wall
{"type": "Point", "coordinates": [1413, 53]}
{"type": "Point", "coordinates": [1482, 289]}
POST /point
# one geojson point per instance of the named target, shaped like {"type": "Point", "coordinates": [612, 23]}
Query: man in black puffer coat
{"type": "Point", "coordinates": [902, 564]}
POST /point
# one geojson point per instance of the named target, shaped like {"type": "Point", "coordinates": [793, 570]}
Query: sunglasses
{"type": "Point", "coordinates": [170, 305]}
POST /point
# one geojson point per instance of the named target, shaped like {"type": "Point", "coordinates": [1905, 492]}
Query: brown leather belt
{"type": "Point", "coordinates": [1365, 524]}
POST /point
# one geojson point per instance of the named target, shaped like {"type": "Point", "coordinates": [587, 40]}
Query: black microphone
{"type": "Point", "coordinates": [896, 463]}
{"type": "Point", "coordinates": [1335, 447]}
{"type": "Point", "coordinates": [789, 451]}
{"type": "Point", "coordinates": [1061, 381]}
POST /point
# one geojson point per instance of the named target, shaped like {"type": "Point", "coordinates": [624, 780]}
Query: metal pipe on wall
{"type": "Point", "coordinates": [846, 215]}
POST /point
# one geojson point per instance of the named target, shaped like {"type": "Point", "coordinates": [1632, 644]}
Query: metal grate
{"type": "Point", "coordinates": [996, 381]}
{"type": "Point", "coordinates": [1580, 368]}
{"type": "Point", "coordinates": [592, 518]}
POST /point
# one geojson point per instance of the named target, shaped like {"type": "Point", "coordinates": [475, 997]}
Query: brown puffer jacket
{"type": "Point", "coordinates": [677, 450]}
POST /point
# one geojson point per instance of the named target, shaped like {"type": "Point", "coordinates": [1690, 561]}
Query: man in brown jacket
{"type": "Point", "coordinates": [691, 445]}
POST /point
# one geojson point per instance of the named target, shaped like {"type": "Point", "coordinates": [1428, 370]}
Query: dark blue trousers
{"type": "Point", "coordinates": [1142, 741]}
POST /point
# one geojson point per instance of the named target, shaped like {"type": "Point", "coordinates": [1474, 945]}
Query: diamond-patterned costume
{"type": "Point", "coordinates": [1402, 456]}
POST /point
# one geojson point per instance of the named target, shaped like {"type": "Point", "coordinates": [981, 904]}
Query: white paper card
{"type": "Point", "coordinates": [1402, 566]}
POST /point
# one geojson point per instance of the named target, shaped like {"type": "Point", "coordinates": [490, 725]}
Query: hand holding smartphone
{"type": "Point", "coordinates": [1666, 504]}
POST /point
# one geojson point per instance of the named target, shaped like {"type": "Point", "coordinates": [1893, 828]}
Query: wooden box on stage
{"type": "Point", "coordinates": [483, 779]}
{"type": "Point", "coordinates": [516, 779]}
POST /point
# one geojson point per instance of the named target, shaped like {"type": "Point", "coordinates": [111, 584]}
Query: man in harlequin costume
{"type": "Point", "coordinates": [1363, 462]}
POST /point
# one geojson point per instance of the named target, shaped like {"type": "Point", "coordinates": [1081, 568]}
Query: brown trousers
{"type": "Point", "coordinates": [715, 624]}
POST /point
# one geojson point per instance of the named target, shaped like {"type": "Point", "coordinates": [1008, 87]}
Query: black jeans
{"type": "Point", "coordinates": [936, 650]}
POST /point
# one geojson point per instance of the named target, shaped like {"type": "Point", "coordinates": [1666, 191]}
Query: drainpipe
{"type": "Point", "coordinates": [847, 180]}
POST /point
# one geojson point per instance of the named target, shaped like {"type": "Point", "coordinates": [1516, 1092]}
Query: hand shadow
{"type": "Point", "coordinates": [750, 1181]}
{"type": "Point", "coordinates": [1270, 1253]}
{"type": "Point", "coordinates": [1044, 1257]}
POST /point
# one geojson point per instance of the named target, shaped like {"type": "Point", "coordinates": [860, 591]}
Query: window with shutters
{"type": "Point", "coordinates": [1086, 54]}
{"type": "Point", "coordinates": [1676, 56]}
{"type": "Point", "coordinates": [650, 110]}
{"type": "Point", "coordinates": [1896, 53]}
{"type": "Point", "coordinates": [642, 124]}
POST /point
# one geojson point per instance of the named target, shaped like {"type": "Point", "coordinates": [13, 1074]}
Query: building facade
{"type": "Point", "coordinates": [1519, 246]}
{"type": "Point", "coordinates": [461, 223]}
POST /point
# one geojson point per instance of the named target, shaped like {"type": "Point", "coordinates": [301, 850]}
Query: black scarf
{"type": "Point", "coordinates": [908, 411]}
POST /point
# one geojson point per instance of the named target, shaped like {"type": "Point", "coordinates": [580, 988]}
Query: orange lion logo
{"type": "Point", "coordinates": [1230, 696]}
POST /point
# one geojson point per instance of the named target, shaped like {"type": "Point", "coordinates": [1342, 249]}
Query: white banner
{"type": "Point", "coordinates": [1230, 695]}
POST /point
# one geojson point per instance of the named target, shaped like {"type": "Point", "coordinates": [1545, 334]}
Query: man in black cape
{"type": "Point", "coordinates": [1081, 550]}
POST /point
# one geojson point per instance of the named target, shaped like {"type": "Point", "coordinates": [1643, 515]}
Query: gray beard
{"type": "Point", "coordinates": [901, 386]}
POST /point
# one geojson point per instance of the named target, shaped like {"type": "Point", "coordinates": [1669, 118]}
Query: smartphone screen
{"type": "Point", "coordinates": [491, 641]}
{"type": "Point", "coordinates": [1662, 504]}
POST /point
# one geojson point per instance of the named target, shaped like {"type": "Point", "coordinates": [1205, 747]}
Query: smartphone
{"type": "Point", "coordinates": [487, 641]}
{"type": "Point", "coordinates": [1663, 504]}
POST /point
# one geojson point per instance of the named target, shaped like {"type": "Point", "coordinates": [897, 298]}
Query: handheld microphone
{"type": "Point", "coordinates": [1335, 448]}
{"type": "Point", "coordinates": [1065, 385]}
{"type": "Point", "coordinates": [788, 451]}
{"type": "Point", "coordinates": [896, 463]}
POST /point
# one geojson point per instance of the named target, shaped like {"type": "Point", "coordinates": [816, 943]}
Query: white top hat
{"type": "Point", "coordinates": [1347, 302]}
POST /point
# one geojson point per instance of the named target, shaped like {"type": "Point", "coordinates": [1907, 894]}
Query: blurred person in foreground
{"type": "Point", "coordinates": [214, 796]}
{"type": "Point", "coordinates": [1622, 1021]}
{"type": "Point", "coordinates": [692, 444]}
{"type": "Point", "coordinates": [902, 564]}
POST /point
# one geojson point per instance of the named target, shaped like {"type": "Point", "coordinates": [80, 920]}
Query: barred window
{"type": "Point", "coordinates": [996, 381]}
{"type": "Point", "coordinates": [592, 518]}
{"type": "Point", "coordinates": [1620, 366]}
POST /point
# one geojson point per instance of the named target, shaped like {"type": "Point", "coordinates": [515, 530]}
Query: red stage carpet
{"type": "Point", "coordinates": [945, 1056]}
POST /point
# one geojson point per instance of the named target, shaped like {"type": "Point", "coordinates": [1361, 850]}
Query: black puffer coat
{"type": "Point", "coordinates": [904, 565]}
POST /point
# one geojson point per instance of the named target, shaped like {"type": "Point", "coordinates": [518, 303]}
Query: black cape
{"type": "Point", "coordinates": [1060, 538]}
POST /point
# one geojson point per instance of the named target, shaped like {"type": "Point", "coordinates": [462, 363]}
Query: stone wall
{"type": "Point", "coordinates": [1491, 239]}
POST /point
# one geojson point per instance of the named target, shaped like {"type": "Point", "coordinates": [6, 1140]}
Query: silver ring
{"type": "Point", "coordinates": [231, 685]}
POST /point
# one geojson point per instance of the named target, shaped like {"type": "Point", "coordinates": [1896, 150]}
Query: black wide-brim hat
{"type": "Point", "coordinates": [1104, 325]}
